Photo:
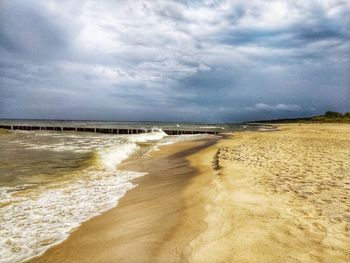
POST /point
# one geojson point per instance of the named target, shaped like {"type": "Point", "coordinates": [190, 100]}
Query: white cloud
{"type": "Point", "coordinates": [277, 107]}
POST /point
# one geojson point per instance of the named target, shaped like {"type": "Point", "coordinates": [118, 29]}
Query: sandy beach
{"type": "Point", "coordinates": [197, 131]}
{"type": "Point", "coordinates": [278, 196]}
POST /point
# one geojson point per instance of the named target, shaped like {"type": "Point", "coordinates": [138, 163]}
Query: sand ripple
{"type": "Point", "coordinates": [287, 191]}
{"type": "Point", "coordinates": [306, 163]}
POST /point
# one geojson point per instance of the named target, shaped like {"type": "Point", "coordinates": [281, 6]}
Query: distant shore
{"type": "Point", "coordinates": [278, 196]}
{"type": "Point", "coordinates": [328, 117]}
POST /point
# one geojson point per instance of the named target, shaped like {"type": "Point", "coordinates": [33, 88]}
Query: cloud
{"type": "Point", "coordinates": [277, 107]}
{"type": "Point", "coordinates": [143, 60]}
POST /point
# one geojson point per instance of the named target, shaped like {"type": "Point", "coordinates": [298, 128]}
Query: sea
{"type": "Point", "coordinates": [52, 181]}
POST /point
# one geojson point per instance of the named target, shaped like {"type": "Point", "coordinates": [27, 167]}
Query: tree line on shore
{"type": "Point", "coordinates": [328, 116]}
{"type": "Point", "coordinates": [333, 116]}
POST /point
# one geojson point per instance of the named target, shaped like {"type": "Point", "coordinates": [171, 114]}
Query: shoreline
{"type": "Point", "coordinates": [158, 218]}
{"type": "Point", "coordinates": [259, 196]}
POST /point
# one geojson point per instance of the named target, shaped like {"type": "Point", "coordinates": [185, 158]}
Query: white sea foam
{"type": "Point", "coordinates": [211, 127]}
{"type": "Point", "coordinates": [32, 224]}
{"type": "Point", "coordinates": [178, 138]}
{"type": "Point", "coordinates": [181, 138]}
{"type": "Point", "coordinates": [155, 135]}
{"type": "Point", "coordinates": [113, 156]}
{"type": "Point", "coordinates": [34, 219]}
{"type": "Point", "coordinates": [86, 143]}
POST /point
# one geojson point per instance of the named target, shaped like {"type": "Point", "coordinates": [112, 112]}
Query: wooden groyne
{"type": "Point", "coordinates": [108, 130]}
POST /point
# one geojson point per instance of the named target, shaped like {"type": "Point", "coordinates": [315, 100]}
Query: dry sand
{"type": "Point", "coordinates": [279, 197]}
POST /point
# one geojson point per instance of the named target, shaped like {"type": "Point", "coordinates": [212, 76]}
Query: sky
{"type": "Point", "coordinates": [207, 61]}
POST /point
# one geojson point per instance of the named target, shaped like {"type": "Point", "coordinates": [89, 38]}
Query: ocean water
{"type": "Point", "coordinates": [51, 182]}
{"type": "Point", "coordinates": [129, 125]}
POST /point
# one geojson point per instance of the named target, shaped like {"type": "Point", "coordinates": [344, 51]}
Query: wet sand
{"type": "Point", "coordinates": [154, 222]}
{"type": "Point", "coordinates": [279, 196]}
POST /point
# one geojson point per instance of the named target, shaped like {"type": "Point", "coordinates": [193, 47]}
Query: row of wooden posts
{"type": "Point", "coordinates": [101, 130]}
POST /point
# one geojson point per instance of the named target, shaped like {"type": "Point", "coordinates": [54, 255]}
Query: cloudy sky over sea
{"type": "Point", "coordinates": [173, 60]}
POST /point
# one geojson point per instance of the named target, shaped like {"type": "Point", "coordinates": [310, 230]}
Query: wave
{"type": "Point", "coordinates": [155, 135]}
{"type": "Point", "coordinates": [211, 127]}
{"type": "Point", "coordinates": [32, 224]}
{"type": "Point", "coordinates": [33, 219]}
{"type": "Point", "coordinates": [113, 156]}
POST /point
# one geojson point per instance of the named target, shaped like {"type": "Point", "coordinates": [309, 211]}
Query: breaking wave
{"type": "Point", "coordinates": [32, 219]}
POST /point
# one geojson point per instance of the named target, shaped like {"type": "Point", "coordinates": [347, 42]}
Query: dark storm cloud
{"type": "Point", "coordinates": [173, 60]}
